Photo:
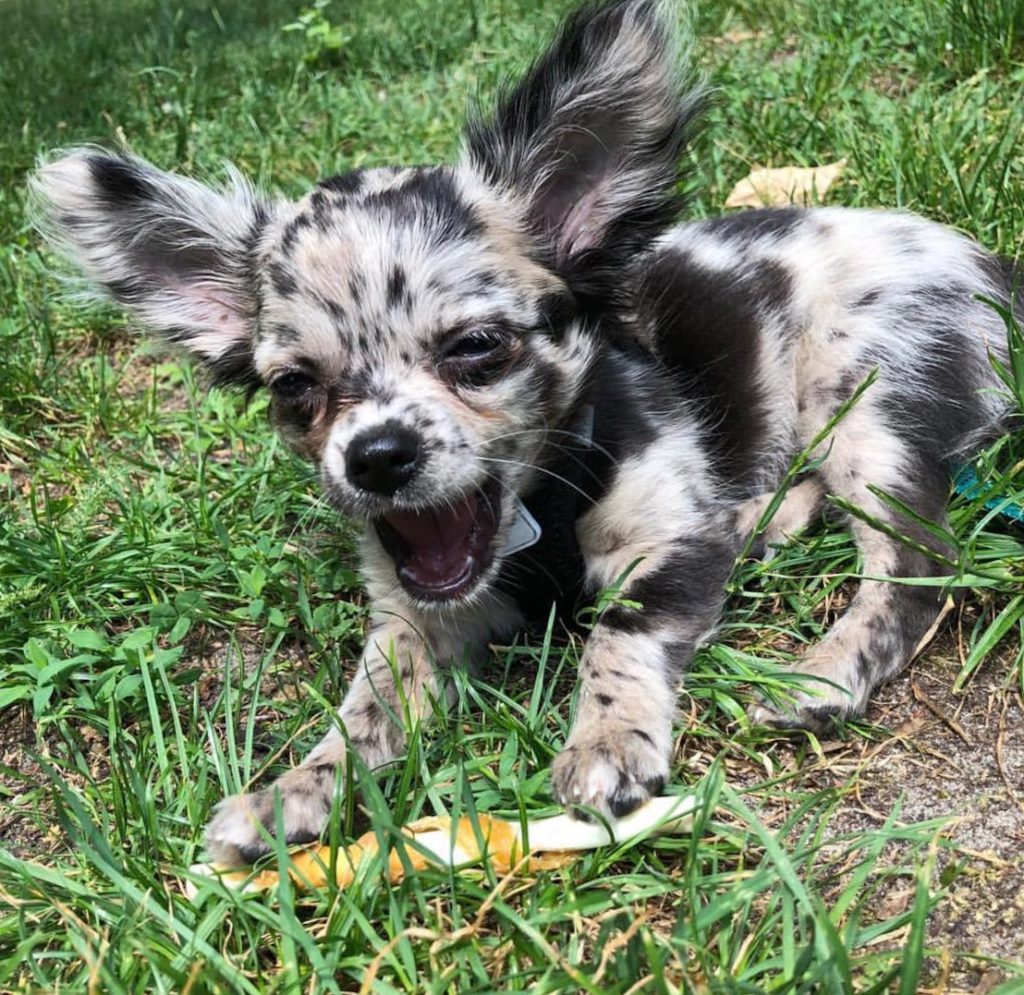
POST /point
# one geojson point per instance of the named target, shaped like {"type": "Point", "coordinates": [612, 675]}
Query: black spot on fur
{"type": "Point", "coordinates": [556, 310]}
{"type": "Point", "coordinates": [260, 217]}
{"type": "Point", "coordinates": [235, 367]}
{"type": "Point", "coordinates": [333, 308]}
{"type": "Point", "coordinates": [690, 579]}
{"type": "Point", "coordinates": [70, 221]}
{"type": "Point", "coordinates": [395, 286]}
{"type": "Point", "coordinates": [909, 241]}
{"type": "Point", "coordinates": [282, 280]}
{"type": "Point", "coordinates": [358, 383]}
{"type": "Point", "coordinates": [926, 492]}
{"type": "Point", "coordinates": [430, 195]}
{"type": "Point", "coordinates": [626, 798]}
{"type": "Point", "coordinates": [826, 716]}
{"type": "Point", "coordinates": [323, 209]}
{"type": "Point", "coordinates": [120, 181]}
{"type": "Point", "coordinates": [835, 395]}
{"type": "Point", "coordinates": [933, 422]}
{"type": "Point", "coordinates": [626, 387]}
{"type": "Point", "coordinates": [285, 334]}
{"type": "Point", "coordinates": [551, 572]}
{"type": "Point", "coordinates": [707, 325]}
{"type": "Point", "coordinates": [604, 699]}
{"type": "Point", "coordinates": [292, 229]}
{"type": "Point", "coordinates": [867, 300]}
{"type": "Point", "coordinates": [865, 670]}
{"type": "Point", "coordinates": [770, 286]}
{"type": "Point", "coordinates": [344, 183]}
{"type": "Point", "coordinates": [483, 281]}
{"type": "Point", "coordinates": [746, 226]}
{"type": "Point", "coordinates": [545, 382]}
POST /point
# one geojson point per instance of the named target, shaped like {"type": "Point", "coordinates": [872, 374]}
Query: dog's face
{"type": "Point", "coordinates": [415, 348]}
{"type": "Point", "coordinates": [419, 330]}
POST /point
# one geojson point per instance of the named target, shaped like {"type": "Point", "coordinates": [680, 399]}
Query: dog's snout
{"type": "Point", "coordinates": [383, 459]}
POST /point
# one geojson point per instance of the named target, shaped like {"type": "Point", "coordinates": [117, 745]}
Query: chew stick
{"type": "Point", "coordinates": [549, 843]}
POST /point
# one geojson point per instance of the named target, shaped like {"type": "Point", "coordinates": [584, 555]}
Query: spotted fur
{"type": "Point", "coordinates": [532, 324]}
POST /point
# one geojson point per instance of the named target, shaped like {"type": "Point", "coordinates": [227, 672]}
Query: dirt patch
{"type": "Point", "coordinates": [26, 828]}
{"type": "Point", "coordinates": [949, 756]}
{"type": "Point", "coordinates": [960, 756]}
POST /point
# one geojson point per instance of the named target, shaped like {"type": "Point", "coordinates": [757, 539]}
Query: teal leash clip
{"type": "Point", "coordinates": [967, 485]}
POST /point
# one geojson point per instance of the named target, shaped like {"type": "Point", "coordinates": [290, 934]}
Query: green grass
{"type": "Point", "coordinates": [177, 607]}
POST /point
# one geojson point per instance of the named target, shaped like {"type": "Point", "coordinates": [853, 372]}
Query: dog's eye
{"type": "Point", "coordinates": [293, 387]}
{"type": "Point", "coordinates": [477, 357]}
{"type": "Point", "coordinates": [479, 344]}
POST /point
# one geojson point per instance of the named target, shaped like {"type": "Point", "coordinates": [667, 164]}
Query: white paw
{"type": "Point", "coordinates": [612, 772]}
{"type": "Point", "coordinates": [242, 828]}
{"type": "Point", "coordinates": [818, 709]}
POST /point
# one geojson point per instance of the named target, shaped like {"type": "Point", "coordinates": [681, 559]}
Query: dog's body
{"type": "Point", "coordinates": [448, 342]}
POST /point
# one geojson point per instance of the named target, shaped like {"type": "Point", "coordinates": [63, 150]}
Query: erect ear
{"type": "Point", "coordinates": [175, 252]}
{"type": "Point", "coordinates": [590, 140]}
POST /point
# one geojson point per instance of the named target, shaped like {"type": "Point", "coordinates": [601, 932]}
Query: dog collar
{"type": "Point", "coordinates": [526, 530]}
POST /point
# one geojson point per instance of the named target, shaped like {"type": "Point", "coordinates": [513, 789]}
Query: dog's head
{"type": "Point", "coordinates": [419, 330]}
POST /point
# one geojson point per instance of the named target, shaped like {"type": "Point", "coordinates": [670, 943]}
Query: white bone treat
{"type": "Point", "coordinates": [435, 842]}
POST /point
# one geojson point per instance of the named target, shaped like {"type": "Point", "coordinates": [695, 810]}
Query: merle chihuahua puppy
{"type": "Point", "coordinates": [532, 385]}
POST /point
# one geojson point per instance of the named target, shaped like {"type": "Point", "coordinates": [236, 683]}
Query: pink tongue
{"type": "Point", "coordinates": [438, 542]}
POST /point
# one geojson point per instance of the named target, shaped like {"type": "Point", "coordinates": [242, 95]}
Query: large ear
{"type": "Point", "coordinates": [590, 140]}
{"type": "Point", "coordinates": [175, 252]}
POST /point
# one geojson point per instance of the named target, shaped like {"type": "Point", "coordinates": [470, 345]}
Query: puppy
{"type": "Point", "coordinates": [532, 385]}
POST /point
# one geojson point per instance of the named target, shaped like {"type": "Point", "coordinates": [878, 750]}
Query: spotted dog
{"type": "Point", "coordinates": [529, 342]}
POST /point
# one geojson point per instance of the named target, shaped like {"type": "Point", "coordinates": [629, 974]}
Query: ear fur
{"type": "Point", "coordinates": [589, 141]}
{"type": "Point", "coordinates": [173, 251]}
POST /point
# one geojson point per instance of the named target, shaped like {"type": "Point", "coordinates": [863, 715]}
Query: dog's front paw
{"type": "Point", "coordinates": [242, 827]}
{"type": "Point", "coordinates": [614, 771]}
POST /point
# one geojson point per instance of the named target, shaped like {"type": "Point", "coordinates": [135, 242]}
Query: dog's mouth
{"type": "Point", "coordinates": [441, 552]}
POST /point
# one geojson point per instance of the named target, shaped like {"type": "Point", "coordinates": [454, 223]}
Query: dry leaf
{"type": "Point", "coordinates": [895, 903]}
{"type": "Point", "coordinates": [737, 36]}
{"type": "Point", "coordinates": [786, 185]}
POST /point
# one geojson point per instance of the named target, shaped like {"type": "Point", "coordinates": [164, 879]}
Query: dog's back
{"type": "Point", "coordinates": [864, 339]}
{"type": "Point", "coordinates": [774, 317]}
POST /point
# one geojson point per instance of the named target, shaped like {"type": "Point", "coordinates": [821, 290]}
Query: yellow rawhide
{"type": "Point", "coordinates": [550, 843]}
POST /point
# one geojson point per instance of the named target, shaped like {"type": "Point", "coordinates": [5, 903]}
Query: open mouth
{"type": "Point", "coordinates": [440, 553]}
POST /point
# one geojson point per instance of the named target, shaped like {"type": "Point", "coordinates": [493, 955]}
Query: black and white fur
{"type": "Point", "coordinates": [533, 322]}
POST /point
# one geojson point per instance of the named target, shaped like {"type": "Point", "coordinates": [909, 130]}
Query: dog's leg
{"type": "Point", "coordinates": [620, 747]}
{"type": "Point", "coordinates": [886, 622]}
{"type": "Point", "coordinates": [798, 507]}
{"type": "Point", "coordinates": [395, 684]}
{"type": "Point", "coordinates": [676, 559]}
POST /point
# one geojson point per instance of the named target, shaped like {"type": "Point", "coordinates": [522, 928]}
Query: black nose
{"type": "Point", "coordinates": [383, 459]}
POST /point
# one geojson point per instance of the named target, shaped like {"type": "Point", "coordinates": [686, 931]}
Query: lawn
{"type": "Point", "coordinates": [178, 609]}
